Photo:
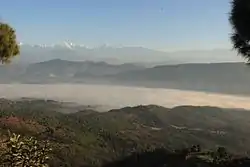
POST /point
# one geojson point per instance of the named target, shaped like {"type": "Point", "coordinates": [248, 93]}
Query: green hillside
{"type": "Point", "coordinates": [87, 137]}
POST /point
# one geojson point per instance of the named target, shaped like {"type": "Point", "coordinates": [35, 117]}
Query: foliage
{"type": "Point", "coordinates": [240, 21]}
{"type": "Point", "coordinates": [90, 138]}
{"type": "Point", "coordinates": [8, 44]}
{"type": "Point", "coordinates": [162, 157]}
{"type": "Point", "coordinates": [25, 152]}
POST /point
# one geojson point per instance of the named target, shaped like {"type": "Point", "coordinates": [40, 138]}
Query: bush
{"type": "Point", "coordinates": [25, 151]}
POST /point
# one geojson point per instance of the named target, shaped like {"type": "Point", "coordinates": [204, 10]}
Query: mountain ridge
{"type": "Point", "coordinates": [119, 55]}
{"type": "Point", "coordinates": [229, 78]}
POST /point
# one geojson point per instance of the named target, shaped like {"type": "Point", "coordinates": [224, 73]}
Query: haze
{"type": "Point", "coordinates": [118, 96]}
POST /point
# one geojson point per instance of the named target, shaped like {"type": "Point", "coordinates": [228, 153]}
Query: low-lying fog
{"type": "Point", "coordinates": [119, 96]}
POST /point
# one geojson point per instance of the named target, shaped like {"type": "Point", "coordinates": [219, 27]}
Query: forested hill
{"type": "Point", "coordinates": [86, 137]}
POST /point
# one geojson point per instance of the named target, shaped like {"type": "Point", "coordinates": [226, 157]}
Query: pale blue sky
{"type": "Point", "coordinates": [158, 24]}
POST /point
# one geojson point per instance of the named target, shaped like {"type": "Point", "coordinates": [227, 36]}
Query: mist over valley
{"type": "Point", "coordinates": [108, 97]}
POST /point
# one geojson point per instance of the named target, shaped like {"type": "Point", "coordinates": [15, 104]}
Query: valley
{"type": "Point", "coordinates": [106, 97]}
{"type": "Point", "coordinates": [222, 78]}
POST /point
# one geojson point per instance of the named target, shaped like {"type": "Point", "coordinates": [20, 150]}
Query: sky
{"type": "Point", "coordinates": [156, 24]}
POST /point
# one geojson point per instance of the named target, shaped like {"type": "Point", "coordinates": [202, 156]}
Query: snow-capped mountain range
{"type": "Point", "coordinates": [65, 44]}
{"type": "Point", "coordinates": [68, 45]}
{"type": "Point", "coordinates": [119, 54]}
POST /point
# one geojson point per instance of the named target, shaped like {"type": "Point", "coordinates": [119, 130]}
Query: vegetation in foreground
{"type": "Point", "coordinates": [20, 151]}
{"type": "Point", "coordinates": [90, 138]}
{"type": "Point", "coordinates": [24, 151]}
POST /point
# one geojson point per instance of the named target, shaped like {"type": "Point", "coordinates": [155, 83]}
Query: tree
{"type": "Point", "coordinates": [240, 22]}
{"type": "Point", "coordinates": [8, 44]}
{"type": "Point", "coordinates": [221, 156]}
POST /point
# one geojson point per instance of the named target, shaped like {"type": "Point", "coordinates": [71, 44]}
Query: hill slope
{"type": "Point", "coordinates": [88, 137]}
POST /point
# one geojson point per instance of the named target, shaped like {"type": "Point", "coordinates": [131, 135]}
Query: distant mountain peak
{"type": "Point", "coordinates": [64, 44]}
{"type": "Point", "coordinates": [69, 45]}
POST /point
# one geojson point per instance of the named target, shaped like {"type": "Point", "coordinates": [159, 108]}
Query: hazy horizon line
{"type": "Point", "coordinates": [168, 49]}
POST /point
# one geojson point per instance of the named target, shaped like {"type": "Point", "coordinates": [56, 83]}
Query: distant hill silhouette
{"type": "Point", "coordinates": [231, 78]}
{"type": "Point", "coordinates": [119, 55]}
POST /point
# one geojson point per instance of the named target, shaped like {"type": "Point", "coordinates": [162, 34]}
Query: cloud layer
{"type": "Point", "coordinates": [118, 96]}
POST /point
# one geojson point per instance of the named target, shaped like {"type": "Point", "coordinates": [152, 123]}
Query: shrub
{"type": "Point", "coordinates": [25, 152]}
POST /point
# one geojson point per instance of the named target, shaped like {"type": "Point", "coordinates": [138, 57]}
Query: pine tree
{"type": "Point", "coordinates": [8, 44]}
{"type": "Point", "coordinates": [240, 21]}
